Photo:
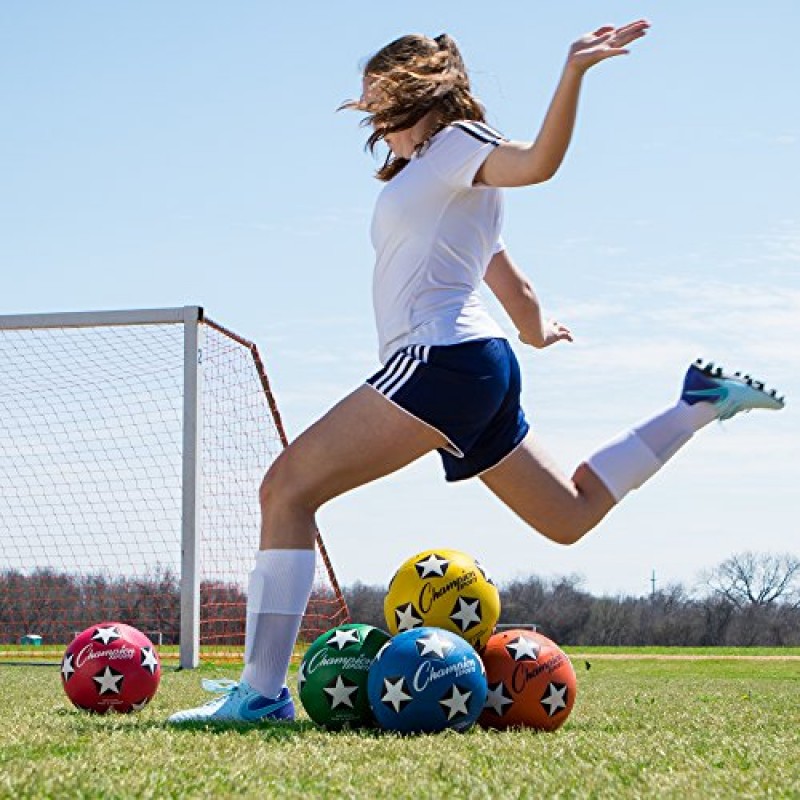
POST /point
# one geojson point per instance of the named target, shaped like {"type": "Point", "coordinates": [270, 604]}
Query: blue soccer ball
{"type": "Point", "coordinates": [426, 680]}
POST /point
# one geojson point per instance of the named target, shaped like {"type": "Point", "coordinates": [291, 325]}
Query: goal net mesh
{"type": "Point", "coordinates": [91, 426]}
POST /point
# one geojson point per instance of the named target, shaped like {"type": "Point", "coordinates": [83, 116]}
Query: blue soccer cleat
{"type": "Point", "coordinates": [730, 394]}
{"type": "Point", "coordinates": [238, 703]}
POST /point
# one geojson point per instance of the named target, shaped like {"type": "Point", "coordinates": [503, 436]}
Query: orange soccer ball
{"type": "Point", "coordinates": [531, 682]}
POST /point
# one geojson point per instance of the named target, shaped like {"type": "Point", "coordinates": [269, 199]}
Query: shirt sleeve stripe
{"type": "Point", "coordinates": [489, 130]}
{"type": "Point", "coordinates": [481, 132]}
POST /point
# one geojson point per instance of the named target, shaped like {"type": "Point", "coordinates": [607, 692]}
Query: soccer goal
{"type": "Point", "coordinates": [132, 445]}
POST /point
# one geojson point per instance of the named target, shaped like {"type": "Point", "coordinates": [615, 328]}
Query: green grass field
{"type": "Point", "coordinates": [644, 727]}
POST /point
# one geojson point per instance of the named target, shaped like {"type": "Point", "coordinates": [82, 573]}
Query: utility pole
{"type": "Point", "coordinates": [653, 584]}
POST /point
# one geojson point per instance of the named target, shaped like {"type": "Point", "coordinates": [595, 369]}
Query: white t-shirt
{"type": "Point", "coordinates": [434, 234]}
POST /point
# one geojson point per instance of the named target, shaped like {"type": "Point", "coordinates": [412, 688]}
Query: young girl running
{"type": "Point", "coordinates": [450, 381]}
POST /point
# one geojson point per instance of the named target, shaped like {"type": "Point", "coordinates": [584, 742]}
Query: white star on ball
{"type": "Point", "coordinates": [523, 647]}
{"type": "Point", "coordinates": [341, 639]}
{"type": "Point", "coordinates": [340, 693]}
{"type": "Point", "coordinates": [496, 698]}
{"type": "Point", "coordinates": [108, 681]}
{"type": "Point", "coordinates": [149, 660]}
{"type": "Point", "coordinates": [66, 667]}
{"type": "Point", "coordinates": [467, 612]}
{"type": "Point", "coordinates": [556, 698]}
{"type": "Point", "coordinates": [106, 635]}
{"type": "Point", "coordinates": [406, 619]}
{"type": "Point", "coordinates": [432, 565]}
{"type": "Point", "coordinates": [457, 702]}
{"type": "Point", "coordinates": [433, 644]}
{"type": "Point", "coordinates": [485, 573]}
{"type": "Point", "coordinates": [394, 693]}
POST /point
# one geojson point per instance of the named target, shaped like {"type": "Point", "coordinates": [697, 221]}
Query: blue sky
{"type": "Point", "coordinates": [162, 154]}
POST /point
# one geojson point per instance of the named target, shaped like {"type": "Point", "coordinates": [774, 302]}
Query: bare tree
{"type": "Point", "coordinates": [758, 579]}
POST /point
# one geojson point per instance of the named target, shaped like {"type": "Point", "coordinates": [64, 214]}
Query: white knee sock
{"type": "Point", "coordinates": [280, 585]}
{"type": "Point", "coordinates": [626, 462]}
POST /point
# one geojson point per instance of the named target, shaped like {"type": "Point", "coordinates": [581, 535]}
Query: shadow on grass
{"type": "Point", "coordinates": [281, 731]}
{"type": "Point", "coordinates": [273, 731]}
{"type": "Point", "coordinates": [270, 730]}
{"type": "Point", "coordinates": [112, 724]}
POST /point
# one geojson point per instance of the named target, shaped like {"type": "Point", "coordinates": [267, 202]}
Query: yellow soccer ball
{"type": "Point", "coordinates": [443, 589]}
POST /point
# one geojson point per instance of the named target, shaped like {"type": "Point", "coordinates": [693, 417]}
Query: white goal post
{"type": "Point", "coordinates": [131, 447]}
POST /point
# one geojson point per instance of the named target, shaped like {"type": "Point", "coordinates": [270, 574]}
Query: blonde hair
{"type": "Point", "coordinates": [412, 76]}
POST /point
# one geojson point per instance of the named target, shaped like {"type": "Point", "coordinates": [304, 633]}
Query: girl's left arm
{"type": "Point", "coordinates": [517, 296]}
{"type": "Point", "coordinates": [526, 163]}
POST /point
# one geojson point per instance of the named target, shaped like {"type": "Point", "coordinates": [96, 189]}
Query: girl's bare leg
{"type": "Point", "coordinates": [562, 509]}
{"type": "Point", "coordinates": [361, 439]}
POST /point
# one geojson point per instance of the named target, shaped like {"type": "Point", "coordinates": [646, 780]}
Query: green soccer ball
{"type": "Point", "coordinates": [332, 681]}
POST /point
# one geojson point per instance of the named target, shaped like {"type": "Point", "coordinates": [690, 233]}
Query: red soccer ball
{"type": "Point", "coordinates": [531, 682]}
{"type": "Point", "coordinates": [110, 667]}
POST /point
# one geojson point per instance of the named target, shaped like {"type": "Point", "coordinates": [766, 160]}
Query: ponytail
{"type": "Point", "coordinates": [456, 63]}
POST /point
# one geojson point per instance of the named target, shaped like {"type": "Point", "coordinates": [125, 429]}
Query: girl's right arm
{"type": "Point", "coordinates": [526, 163]}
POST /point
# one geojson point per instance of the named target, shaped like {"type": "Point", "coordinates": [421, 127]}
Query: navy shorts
{"type": "Point", "coordinates": [469, 392]}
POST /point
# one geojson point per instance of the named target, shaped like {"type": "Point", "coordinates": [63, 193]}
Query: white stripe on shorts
{"type": "Point", "coordinates": [407, 369]}
{"type": "Point", "coordinates": [395, 371]}
{"type": "Point", "coordinates": [388, 370]}
{"type": "Point", "coordinates": [400, 367]}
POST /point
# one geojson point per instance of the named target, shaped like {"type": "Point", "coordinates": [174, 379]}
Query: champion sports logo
{"type": "Point", "coordinates": [427, 673]}
{"type": "Point", "coordinates": [88, 653]}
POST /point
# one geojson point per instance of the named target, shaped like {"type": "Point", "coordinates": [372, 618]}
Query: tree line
{"type": "Point", "coordinates": [749, 599]}
{"type": "Point", "coordinates": [57, 605]}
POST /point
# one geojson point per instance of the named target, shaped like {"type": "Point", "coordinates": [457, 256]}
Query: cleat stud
{"type": "Point", "coordinates": [738, 374]}
{"type": "Point", "coordinates": [772, 392]}
{"type": "Point", "coordinates": [718, 372]}
{"type": "Point", "coordinates": [699, 362]}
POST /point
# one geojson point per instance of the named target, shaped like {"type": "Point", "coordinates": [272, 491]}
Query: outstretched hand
{"type": "Point", "coordinates": [552, 332]}
{"type": "Point", "coordinates": [605, 42]}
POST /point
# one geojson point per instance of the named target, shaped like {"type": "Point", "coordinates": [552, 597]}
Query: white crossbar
{"type": "Point", "coordinates": [90, 319]}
